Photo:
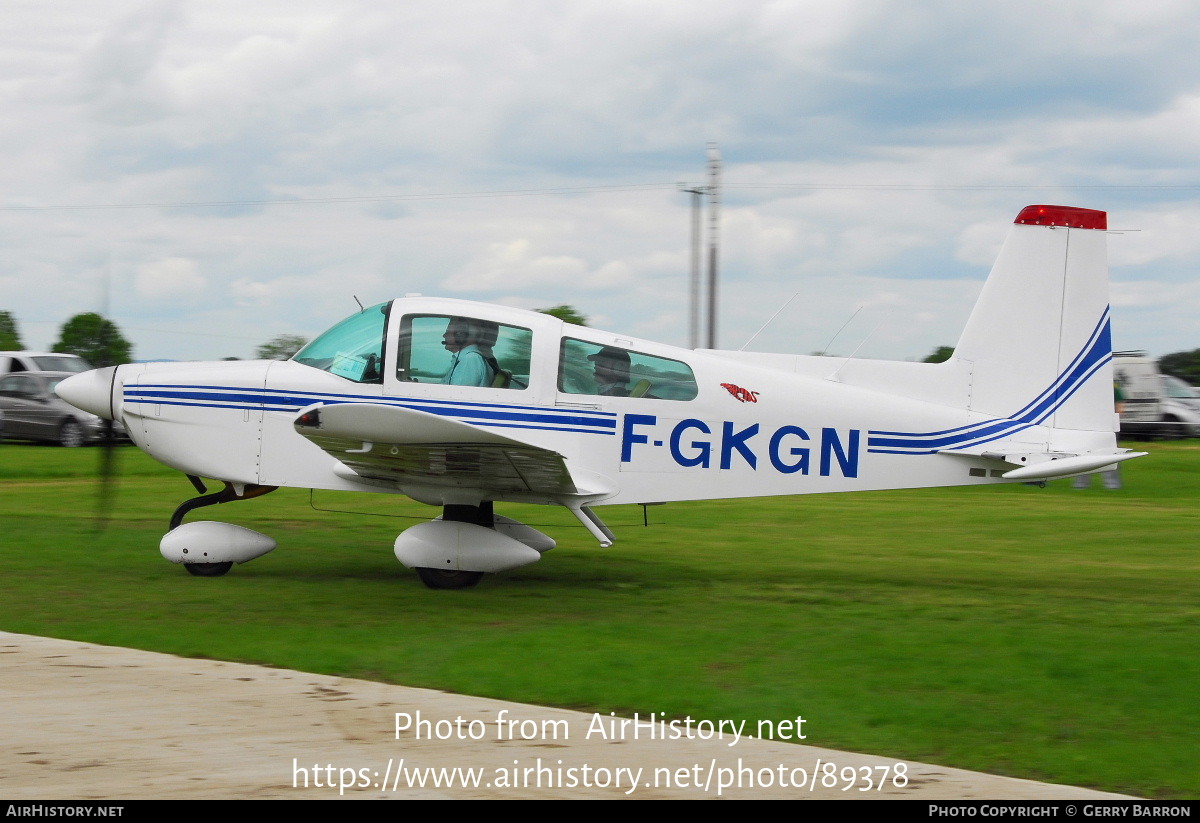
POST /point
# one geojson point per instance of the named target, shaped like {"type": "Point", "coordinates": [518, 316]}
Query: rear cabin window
{"type": "Point", "coordinates": [611, 371]}
{"type": "Point", "coordinates": [463, 351]}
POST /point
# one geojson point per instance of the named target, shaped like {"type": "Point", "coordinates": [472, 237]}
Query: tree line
{"type": "Point", "coordinates": [100, 342]}
{"type": "Point", "coordinates": [1182, 364]}
{"type": "Point", "coordinates": [92, 337]}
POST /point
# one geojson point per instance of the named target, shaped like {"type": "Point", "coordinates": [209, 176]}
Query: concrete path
{"type": "Point", "coordinates": [81, 721]}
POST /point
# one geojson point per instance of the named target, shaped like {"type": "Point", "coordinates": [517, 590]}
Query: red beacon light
{"type": "Point", "coordinates": [1066, 216]}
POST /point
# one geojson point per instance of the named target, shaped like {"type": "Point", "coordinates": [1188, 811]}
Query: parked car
{"type": "Point", "coordinates": [1155, 405]}
{"type": "Point", "coordinates": [17, 361]}
{"type": "Point", "coordinates": [32, 411]}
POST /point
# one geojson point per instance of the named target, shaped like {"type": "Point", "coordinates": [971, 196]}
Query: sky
{"type": "Point", "coordinates": [212, 174]}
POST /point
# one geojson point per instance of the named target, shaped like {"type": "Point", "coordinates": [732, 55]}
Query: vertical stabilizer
{"type": "Point", "coordinates": [1038, 346]}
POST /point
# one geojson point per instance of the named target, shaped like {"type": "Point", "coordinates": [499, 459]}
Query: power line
{"type": "Point", "coordinates": [383, 198]}
{"type": "Point", "coordinates": [597, 189]}
{"type": "Point", "coordinates": [965, 187]}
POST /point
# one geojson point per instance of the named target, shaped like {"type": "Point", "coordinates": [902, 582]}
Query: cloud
{"type": "Point", "coordinates": [871, 149]}
{"type": "Point", "coordinates": [513, 266]}
{"type": "Point", "coordinates": [173, 277]}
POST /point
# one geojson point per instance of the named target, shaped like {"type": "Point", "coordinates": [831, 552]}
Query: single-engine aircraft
{"type": "Point", "coordinates": [463, 405]}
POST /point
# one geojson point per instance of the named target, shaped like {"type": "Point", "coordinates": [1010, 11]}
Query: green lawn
{"type": "Point", "coordinates": [1043, 633]}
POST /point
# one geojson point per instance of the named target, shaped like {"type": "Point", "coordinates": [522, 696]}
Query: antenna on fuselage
{"type": "Point", "coordinates": [770, 320]}
{"type": "Point", "coordinates": [838, 370]}
{"type": "Point", "coordinates": [361, 308]}
{"type": "Point", "coordinates": [825, 350]}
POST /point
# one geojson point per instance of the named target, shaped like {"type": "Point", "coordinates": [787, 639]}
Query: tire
{"type": "Point", "coordinates": [70, 434]}
{"type": "Point", "coordinates": [448, 578]}
{"type": "Point", "coordinates": [208, 569]}
{"type": "Point", "coordinates": [1173, 428]}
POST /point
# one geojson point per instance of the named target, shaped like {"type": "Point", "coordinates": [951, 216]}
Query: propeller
{"type": "Point", "coordinates": [106, 469]}
{"type": "Point", "coordinates": [106, 472]}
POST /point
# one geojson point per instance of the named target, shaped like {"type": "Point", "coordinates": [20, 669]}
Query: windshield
{"type": "Point", "coordinates": [352, 349]}
{"type": "Point", "coordinates": [1177, 388]}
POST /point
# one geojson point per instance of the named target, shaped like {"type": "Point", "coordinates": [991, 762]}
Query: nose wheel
{"type": "Point", "coordinates": [228, 494]}
{"type": "Point", "coordinates": [446, 578]}
{"type": "Point", "coordinates": [208, 569]}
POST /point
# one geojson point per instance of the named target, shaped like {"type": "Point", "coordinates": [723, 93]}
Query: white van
{"type": "Point", "coordinates": [1155, 405]}
{"type": "Point", "coordinates": [16, 361]}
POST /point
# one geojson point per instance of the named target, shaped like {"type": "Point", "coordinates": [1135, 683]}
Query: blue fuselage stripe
{"type": "Point", "coordinates": [1094, 354]}
{"type": "Point", "coordinates": [486, 414]}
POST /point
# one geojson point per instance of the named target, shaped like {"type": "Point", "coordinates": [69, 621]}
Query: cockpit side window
{"type": "Point", "coordinates": [611, 371]}
{"type": "Point", "coordinates": [352, 349]}
{"type": "Point", "coordinates": [463, 351]}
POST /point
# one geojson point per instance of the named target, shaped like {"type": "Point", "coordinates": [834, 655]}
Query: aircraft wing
{"type": "Point", "coordinates": [413, 448]}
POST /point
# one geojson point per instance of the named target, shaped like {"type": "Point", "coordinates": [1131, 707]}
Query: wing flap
{"type": "Point", "coordinates": [415, 448]}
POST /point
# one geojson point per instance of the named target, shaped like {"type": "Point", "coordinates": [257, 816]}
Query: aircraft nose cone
{"type": "Point", "coordinates": [90, 391]}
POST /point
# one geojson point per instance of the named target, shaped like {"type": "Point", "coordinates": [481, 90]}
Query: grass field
{"type": "Point", "coordinates": [1047, 633]}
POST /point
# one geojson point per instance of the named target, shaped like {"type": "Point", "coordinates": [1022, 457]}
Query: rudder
{"type": "Point", "coordinates": [1038, 344]}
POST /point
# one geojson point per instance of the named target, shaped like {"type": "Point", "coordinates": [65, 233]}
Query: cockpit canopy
{"type": "Point", "coordinates": [464, 349]}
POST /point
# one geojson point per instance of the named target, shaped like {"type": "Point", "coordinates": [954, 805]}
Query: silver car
{"type": "Point", "coordinates": [32, 411]}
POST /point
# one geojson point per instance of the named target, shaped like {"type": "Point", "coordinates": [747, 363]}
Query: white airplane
{"type": "Point", "coordinates": [463, 405]}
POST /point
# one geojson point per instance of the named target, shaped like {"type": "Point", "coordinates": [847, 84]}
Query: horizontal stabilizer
{"type": "Point", "coordinates": [1069, 466]}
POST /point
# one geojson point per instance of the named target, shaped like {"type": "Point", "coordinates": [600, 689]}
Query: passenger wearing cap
{"type": "Point", "coordinates": [611, 371]}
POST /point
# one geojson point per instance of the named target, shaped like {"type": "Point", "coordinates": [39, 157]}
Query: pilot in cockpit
{"type": "Point", "coordinates": [470, 343]}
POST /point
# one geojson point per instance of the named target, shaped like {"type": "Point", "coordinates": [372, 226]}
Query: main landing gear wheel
{"type": "Point", "coordinates": [480, 515]}
{"type": "Point", "coordinates": [448, 578]}
{"type": "Point", "coordinates": [208, 569]}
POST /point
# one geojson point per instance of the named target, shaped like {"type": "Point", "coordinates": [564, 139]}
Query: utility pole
{"type": "Point", "coordinates": [714, 204]}
{"type": "Point", "coordinates": [694, 285]}
{"type": "Point", "coordinates": [695, 282]}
